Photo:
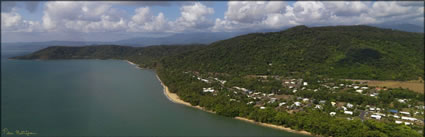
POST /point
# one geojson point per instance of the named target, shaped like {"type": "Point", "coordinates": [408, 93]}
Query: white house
{"type": "Point", "coordinates": [372, 109]}
{"type": "Point", "coordinates": [408, 118]}
{"type": "Point", "coordinates": [262, 107]}
{"type": "Point", "coordinates": [403, 112]}
{"type": "Point", "coordinates": [356, 87]}
{"type": "Point", "coordinates": [402, 100]}
{"type": "Point", "coordinates": [305, 83]}
{"type": "Point", "coordinates": [318, 107]}
{"type": "Point", "coordinates": [348, 112]}
{"type": "Point", "coordinates": [332, 113]}
{"type": "Point", "coordinates": [251, 102]}
{"type": "Point", "coordinates": [364, 88]}
{"type": "Point", "coordinates": [359, 91]}
{"type": "Point", "coordinates": [344, 108]}
{"type": "Point", "coordinates": [395, 116]}
{"type": "Point", "coordinates": [281, 104]}
{"type": "Point", "coordinates": [398, 122]}
{"type": "Point", "coordinates": [407, 123]}
{"type": "Point", "coordinates": [294, 91]}
{"type": "Point", "coordinates": [378, 117]}
{"type": "Point", "coordinates": [208, 90]}
{"type": "Point", "coordinates": [333, 103]}
{"type": "Point", "coordinates": [349, 105]}
{"type": "Point", "coordinates": [297, 104]}
{"type": "Point", "coordinates": [306, 100]}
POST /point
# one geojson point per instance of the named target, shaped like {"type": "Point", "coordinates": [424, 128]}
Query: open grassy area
{"type": "Point", "coordinates": [414, 85]}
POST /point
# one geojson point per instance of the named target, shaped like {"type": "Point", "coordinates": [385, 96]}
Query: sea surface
{"type": "Point", "coordinates": [102, 98]}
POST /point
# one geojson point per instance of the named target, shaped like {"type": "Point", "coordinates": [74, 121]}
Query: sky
{"type": "Point", "coordinates": [116, 20]}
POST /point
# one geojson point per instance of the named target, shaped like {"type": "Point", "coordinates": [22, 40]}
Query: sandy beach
{"type": "Point", "coordinates": [173, 97]}
{"type": "Point", "coordinates": [129, 62]}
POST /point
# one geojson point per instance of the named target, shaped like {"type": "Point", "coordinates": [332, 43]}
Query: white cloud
{"type": "Point", "coordinates": [83, 17]}
{"type": "Point", "coordinates": [13, 22]}
{"type": "Point", "coordinates": [144, 21]}
{"type": "Point", "coordinates": [193, 17]}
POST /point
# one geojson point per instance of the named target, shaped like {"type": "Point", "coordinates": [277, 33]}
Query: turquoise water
{"type": "Point", "coordinates": [99, 98]}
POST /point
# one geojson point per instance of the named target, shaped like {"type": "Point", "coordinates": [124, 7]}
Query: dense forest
{"type": "Point", "coordinates": [353, 52]}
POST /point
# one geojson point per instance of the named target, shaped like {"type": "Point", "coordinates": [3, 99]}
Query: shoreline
{"type": "Point", "coordinates": [132, 63]}
{"type": "Point", "coordinates": [173, 97]}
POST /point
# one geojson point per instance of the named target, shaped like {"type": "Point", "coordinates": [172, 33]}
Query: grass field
{"type": "Point", "coordinates": [414, 85]}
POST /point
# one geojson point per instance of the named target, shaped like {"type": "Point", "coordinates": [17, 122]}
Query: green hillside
{"type": "Point", "coordinates": [357, 52]}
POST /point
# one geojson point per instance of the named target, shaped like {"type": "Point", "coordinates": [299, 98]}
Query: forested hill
{"type": "Point", "coordinates": [146, 57]}
{"type": "Point", "coordinates": [357, 52]}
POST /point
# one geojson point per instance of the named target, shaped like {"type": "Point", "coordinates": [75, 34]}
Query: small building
{"type": "Point", "coordinates": [251, 102]}
{"type": "Point", "coordinates": [359, 91]}
{"type": "Point", "coordinates": [364, 88]}
{"type": "Point", "coordinates": [332, 113]}
{"type": "Point", "coordinates": [372, 109]}
{"type": "Point", "coordinates": [344, 108]}
{"type": "Point", "coordinates": [378, 117]}
{"type": "Point", "coordinates": [356, 87]}
{"type": "Point", "coordinates": [402, 100]}
{"type": "Point", "coordinates": [395, 116]}
{"type": "Point", "coordinates": [294, 91]}
{"type": "Point", "coordinates": [305, 99]}
{"type": "Point", "coordinates": [349, 105]}
{"type": "Point", "coordinates": [322, 101]}
{"type": "Point", "coordinates": [318, 107]}
{"type": "Point", "coordinates": [405, 113]}
{"type": "Point", "coordinates": [281, 104]}
{"type": "Point", "coordinates": [348, 112]}
{"type": "Point", "coordinates": [305, 83]}
{"type": "Point", "coordinates": [398, 122]}
{"type": "Point", "coordinates": [262, 107]}
{"type": "Point", "coordinates": [333, 103]}
{"type": "Point", "coordinates": [393, 111]}
{"type": "Point", "coordinates": [408, 118]}
{"type": "Point", "coordinates": [208, 90]}
{"type": "Point", "coordinates": [297, 104]}
{"type": "Point", "coordinates": [407, 123]}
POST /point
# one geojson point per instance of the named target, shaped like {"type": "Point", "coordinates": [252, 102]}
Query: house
{"type": "Point", "coordinates": [344, 108]}
{"type": "Point", "coordinates": [405, 113]}
{"type": "Point", "coordinates": [297, 104]}
{"type": "Point", "coordinates": [398, 122]}
{"type": "Point", "coordinates": [318, 107]}
{"type": "Point", "coordinates": [359, 91]}
{"type": "Point", "coordinates": [305, 83]}
{"type": "Point", "coordinates": [364, 88]}
{"type": "Point", "coordinates": [395, 116]}
{"type": "Point", "coordinates": [294, 91]}
{"type": "Point", "coordinates": [291, 87]}
{"type": "Point", "coordinates": [407, 123]}
{"type": "Point", "coordinates": [348, 112]}
{"type": "Point", "coordinates": [341, 85]}
{"type": "Point", "coordinates": [393, 111]}
{"type": "Point", "coordinates": [306, 100]}
{"type": "Point", "coordinates": [402, 100]}
{"type": "Point", "coordinates": [332, 113]}
{"type": "Point", "coordinates": [322, 101]}
{"type": "Point", "coordinates": [356, 87]}
{"type": "Point", "coordinates": [333, 103]}
{"type": "Point", "coordinates": [281, 104]}
{"type": "Point", "coordinates": [251, 102]}
{"type": "Point", "coordinates": [378, 117]}
{"type": "Point", "coordinates": [408, 118]}
{"type": "Point", "coordinates": [272, 100]}
{"type": "Point", "coordinates": [349, 105]}
{"type": "Point", "coordinates": [208, 90]}
{"type": "Point", "coordinates": [262, 107]}
{"type": "Point", "coordinates": [372, 109]}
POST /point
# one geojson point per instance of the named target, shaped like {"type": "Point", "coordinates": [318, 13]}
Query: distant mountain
{"type": "Point", "coordinates": [401, 27]}
{"type": "Point", "coordinates": [357, 52]}
{"type": "Point", "coordinates": [185, 38]}
{"type": "Point", "coordinates": [177, 39]}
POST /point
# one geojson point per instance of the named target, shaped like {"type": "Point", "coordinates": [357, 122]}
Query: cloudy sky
{"type": "Point", "coordinates": [110, 21]}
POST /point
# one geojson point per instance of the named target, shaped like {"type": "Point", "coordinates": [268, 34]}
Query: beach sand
{"type": "Point", "coordinates": [129, 62]}
{"type": "Point", "coordinates": [173, 97]}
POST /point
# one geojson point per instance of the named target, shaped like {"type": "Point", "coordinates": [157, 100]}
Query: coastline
{"type": "Point", "coordinates": [173, 97]}
{"type": "Point", "coordinates": [132, 63]}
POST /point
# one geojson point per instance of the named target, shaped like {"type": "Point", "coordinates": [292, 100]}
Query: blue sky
{"type": "Point", "coordinates": [89, 21]}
